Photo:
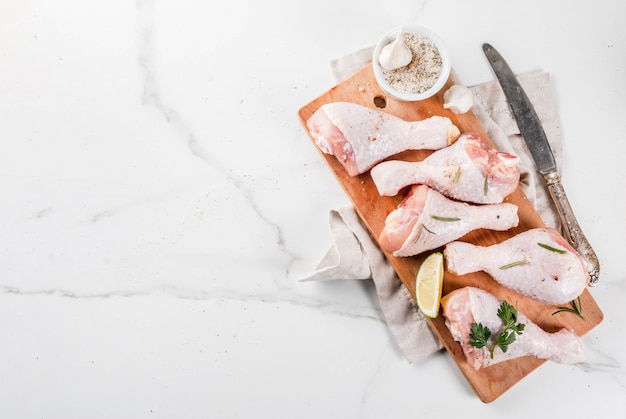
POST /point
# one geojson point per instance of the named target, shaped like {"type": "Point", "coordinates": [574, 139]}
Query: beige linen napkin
{"type": "Point", "coordinates": [355, 255]}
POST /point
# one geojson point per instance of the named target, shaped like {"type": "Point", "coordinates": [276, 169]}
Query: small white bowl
{"type": "Point", "coordinates": [404, 96]}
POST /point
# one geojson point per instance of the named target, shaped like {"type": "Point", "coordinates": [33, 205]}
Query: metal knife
{"type": "Point", "coordinates": [535, 137]}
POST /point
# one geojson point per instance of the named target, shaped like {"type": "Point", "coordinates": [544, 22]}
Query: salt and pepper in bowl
{"type": "Point", "coordinates": [411, 63]}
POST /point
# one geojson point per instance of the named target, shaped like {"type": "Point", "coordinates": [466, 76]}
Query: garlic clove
{"type": "Point", "coordinates": [395, 54]}
{"type": "Point", "coordinates": [458, 99]}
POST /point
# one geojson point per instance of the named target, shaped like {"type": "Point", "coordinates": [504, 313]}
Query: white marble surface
{"type": "Point", "coordinates": [160, 201]}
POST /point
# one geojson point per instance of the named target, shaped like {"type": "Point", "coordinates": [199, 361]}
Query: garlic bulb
{"type": "Point", "coordinates": [458, 99]}
{"type": "Point", "coordinates": [395, 54]}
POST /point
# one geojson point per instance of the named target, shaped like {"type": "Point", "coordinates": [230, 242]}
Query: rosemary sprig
{"type": "Point", "coordinates": [479, 334]}
{"type": "Point", "coordinates": [577, 310]}
{"type": "Point", "coordinates": [486, 187]}
{"type": "Point", "coordinates": [552, 249]}
{"type": "Point", "coordinates": [429, 230]}
{"type": "Point", "coordinates": [419, 233]}
{"type": "Point", "coordinates": [513, 264]}
{"type": "Point", "coordinates": [457, 175]}
{"type": "Point", "coordinates": [446, 219]}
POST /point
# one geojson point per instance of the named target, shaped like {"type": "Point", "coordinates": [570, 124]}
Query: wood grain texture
{"type": "Point", "coordinates": [491, 382]}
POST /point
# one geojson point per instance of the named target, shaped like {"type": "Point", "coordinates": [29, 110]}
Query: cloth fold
{"type": "Point", "coordinates": [355, 255]}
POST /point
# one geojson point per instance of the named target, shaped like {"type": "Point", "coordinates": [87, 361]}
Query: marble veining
{"type": "Point", "coordinates": [151, 97]}
{"type": "Point", "coordinates": [160, 201]}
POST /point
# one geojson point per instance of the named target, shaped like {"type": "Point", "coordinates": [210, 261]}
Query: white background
{"type": "Point", "coordinates": [159, 201]}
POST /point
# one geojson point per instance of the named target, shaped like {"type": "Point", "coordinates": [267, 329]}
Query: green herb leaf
{"type": "Point", "coordinates": [503, 342]}
{"type": "Point", "coordinates": [577, 310]}
{"type": "Point", "coordinates": [447, 219]}
{"type": "Point", "coordinates": [486, 187]}
{"type": "Point", "coordinates": [578, 306]}
{"type": "Point", "coordinates": [457, 175]}
{"type": "Point", "coordinates": [513, 264]}
{"type": "Point", "coordinates": [419, 233]}
{"type": "Point", "coordinates": [507, 313]}
{"type": "Point", "coordinates": [552, 249]}
{"type": "Point", "coordinates": [427, 229]}
{"type": "Point", "coordinates": [479, 334]}
{"type": "Point", "coordinates": [422, 227]}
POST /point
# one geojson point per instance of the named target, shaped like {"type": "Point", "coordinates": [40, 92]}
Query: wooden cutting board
{"type": "Point", "coordinates": [491, 382]}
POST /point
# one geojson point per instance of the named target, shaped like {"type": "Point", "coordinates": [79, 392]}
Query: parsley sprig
{"type": "Point", "coordinates": [479, 334]}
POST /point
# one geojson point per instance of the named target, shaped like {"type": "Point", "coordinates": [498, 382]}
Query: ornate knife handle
{"type": "Point", "coordinates": [572, 229]}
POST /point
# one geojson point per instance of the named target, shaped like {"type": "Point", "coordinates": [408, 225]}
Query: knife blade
{"type": "Point", "coordinates": [532, 131]}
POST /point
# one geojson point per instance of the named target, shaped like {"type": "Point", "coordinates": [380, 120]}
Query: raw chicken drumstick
{"type": "Point", "coordinates": [468, 305]}
{"type": "Point", "coordinates": [538, 263]}
{"type": "Point", "coordinates": [469, 170]}
{"type": "Point", "coordinates": [359, 137]}
{"type": "Point", "coordinates": [426, 219]}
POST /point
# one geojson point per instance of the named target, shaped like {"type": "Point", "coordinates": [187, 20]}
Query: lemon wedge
{"type": "Point", "coordinates": [428, 285]}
